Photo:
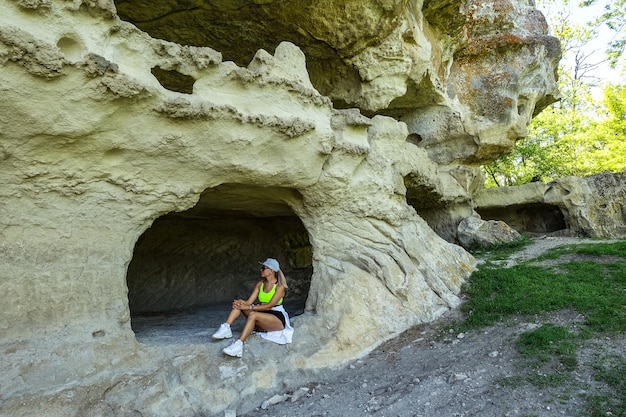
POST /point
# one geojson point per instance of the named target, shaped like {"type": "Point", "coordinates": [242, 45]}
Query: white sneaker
{"type": "Point", "coordinates": [235, 349]}
{"type": "Point", "coordinates": [223, 332]}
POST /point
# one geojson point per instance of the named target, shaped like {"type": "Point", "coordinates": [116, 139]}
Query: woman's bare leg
{"type": "Point", "coordinates": [255, 319]}
{"type": "Point", "coordinates": [232, 316]}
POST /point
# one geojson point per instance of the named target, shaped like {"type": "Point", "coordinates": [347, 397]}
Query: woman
{"type": "Point", "coordinates": [268, 315]}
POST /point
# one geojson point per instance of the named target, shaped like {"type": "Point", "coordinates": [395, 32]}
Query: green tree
{"type": "Point", "coordinates": [577, 135]}
{"type": "Point", "coordinates": [562, 143]}
{"type": "Point", "coordinates": [614, 17]}
{"type": "Point", "coordinates": [607, 139]}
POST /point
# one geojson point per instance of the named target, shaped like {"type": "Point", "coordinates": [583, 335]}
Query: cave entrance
{"type": "Point", "coordinates": [189, 266]}
{"type": "Point", "coordinates": [530, 219]}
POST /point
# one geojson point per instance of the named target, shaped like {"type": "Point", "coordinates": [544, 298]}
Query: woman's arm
{"type": "Point", "coordinates": [280, 293]}
{"type": "Point", "coordinates": [255, 293]}
{"type": "Point", "coordinates": [245, 305]}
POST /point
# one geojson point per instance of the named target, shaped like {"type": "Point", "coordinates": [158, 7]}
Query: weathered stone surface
{"type": "Point", "coordinates": [592, 206]}
{"type": "Point", "coordinates": [141, 174]}
{"type": "Point", "coordinates": [475, 232]}
{"type": "Point", "coordinates": [465, 76]}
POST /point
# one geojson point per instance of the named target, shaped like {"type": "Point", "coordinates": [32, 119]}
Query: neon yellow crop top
{"type": "Point", "coordinates": [266, 297]}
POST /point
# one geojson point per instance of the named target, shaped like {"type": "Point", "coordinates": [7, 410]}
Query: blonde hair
{"type": "Point", "coordinates": [280, 277]}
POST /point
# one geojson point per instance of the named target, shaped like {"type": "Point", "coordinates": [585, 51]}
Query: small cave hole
{"type": "Point", "coordinates": [71, 48]}
{"type": "Point", "coordinates": [414, 138]}
{"type": "Point", "coordinates": [188, 267]}
{"type": "Point", "coordinates": [174, 80]}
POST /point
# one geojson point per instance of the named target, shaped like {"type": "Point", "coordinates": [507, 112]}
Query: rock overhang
{"type": "Point", "coordinates": [190, 60]}
{"type": "Point", "coordinates": [141, 149]}
{"type": "Point", "coordinates": [369, 55]}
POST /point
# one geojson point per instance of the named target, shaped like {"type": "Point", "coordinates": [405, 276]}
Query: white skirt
{"type": "Point", "coordinates": [283, 336]}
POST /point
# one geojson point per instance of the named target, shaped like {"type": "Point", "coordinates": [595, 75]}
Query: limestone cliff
{"type": "Point", "coordinates": [152, 152]}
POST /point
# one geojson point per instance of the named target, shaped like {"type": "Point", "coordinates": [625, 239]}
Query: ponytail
{"type": "Point", "coordinates": [280, 277]}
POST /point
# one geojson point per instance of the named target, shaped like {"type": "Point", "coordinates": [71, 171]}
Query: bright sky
{"type": "Point", "coordinates": [581, 16]}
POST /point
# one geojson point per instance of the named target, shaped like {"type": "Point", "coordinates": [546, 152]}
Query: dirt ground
{"type": "Point", "coordinates": [434, 370]}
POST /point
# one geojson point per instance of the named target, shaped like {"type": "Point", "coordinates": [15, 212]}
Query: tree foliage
{"type": "Point", "coordinates": [561, 142]}
{"type": "Point", "coordinates": [614, 17]}
{"type": "Point", "coordinates": [579, 135]}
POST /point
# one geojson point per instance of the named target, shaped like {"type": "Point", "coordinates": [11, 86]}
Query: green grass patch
{"type": "Point", "coordinates": [550, 351]}
{"type": "Point", "coordinates": [596, 290]}
{"type": "Point", "coordinates": [594, 249]}
{"type": "Point", "coordinates": [549, 342]}
{"type": "Point", "coordinates": [501, 251]}
{"type": "Point", "coordinates": [611, 371]}
{"type": "Point", "coordinates": [553, 379]}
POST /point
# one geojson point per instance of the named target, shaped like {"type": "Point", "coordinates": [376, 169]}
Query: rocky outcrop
{"type": "Point", "coordinates": [475, 232]}
{"type": "Point", "coordinates": [591, 207]}
{"type": "Point", "coordinates": [152, 152]}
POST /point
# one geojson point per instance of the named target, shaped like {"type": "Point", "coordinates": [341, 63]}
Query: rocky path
{"type": "Point", "coordinates": [540, 245]}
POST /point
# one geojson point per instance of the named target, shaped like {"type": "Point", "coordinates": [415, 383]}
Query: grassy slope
{"type": "Point", "coordinates": [595, 288]}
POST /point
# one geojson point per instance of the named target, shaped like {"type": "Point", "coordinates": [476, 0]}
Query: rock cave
{"type": "Point", "coordinates": [530, 219]}
{"type": "Point", "coordinates": [207, 256]}
{"type": "Point", "coordinates": [570, 206]}
{"type": "Point", "coordinates": [154, 152]}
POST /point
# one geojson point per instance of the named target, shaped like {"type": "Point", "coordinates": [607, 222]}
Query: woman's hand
{"type": "Point", "coordinates": [240, 305]}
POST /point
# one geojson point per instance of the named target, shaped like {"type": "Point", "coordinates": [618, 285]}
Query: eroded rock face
{"type": "Point", "coordinates": [591, 207]}
{"type": "Point", "coordinates": [475, 232]}
{"type": "Point", "coordinates": [107, 132]}
{"type": "Point", "coordinates": [466, 76]}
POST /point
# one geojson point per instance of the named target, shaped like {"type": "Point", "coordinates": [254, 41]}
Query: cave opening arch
{"type": "Point", "coordinates": [195, 262]}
